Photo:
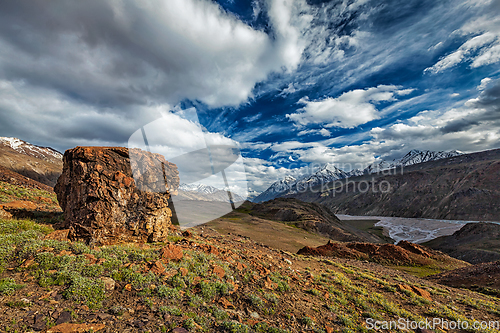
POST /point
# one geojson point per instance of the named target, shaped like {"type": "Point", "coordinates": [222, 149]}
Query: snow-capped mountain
{"type": "Point", "coordinates": [329, 173]}
{"type": "Point", "coordinates": [276, 189]}
{"type": "Point", "coordinates": [23, 147]}
{"type": "Point", "coordinates": [412, 157]}
{"type": "Point", "coordinates": [417, 156]}
{"type": "Point", "coordinates": [202, 192]}
{"type": "Point", "coordinates": [290, 185]}
{"type": "Point", "coordinates": [354, 173]}
{"type": "Point", "coordinates": [377, 167]}
{"type": "Point", "coordinates": [200, 188]}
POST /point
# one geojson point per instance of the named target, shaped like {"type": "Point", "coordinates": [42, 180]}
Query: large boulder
{"type": "Point", "coordinates": [115, 194]}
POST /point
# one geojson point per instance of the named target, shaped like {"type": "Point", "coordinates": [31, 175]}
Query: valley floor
{"type": "Point", "coordinates": [415, 230]}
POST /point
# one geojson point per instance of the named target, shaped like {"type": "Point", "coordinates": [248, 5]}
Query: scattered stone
{"type": "Point", "coordinates": [26, 302]}
{"type": "Point", "coordinates": [76, 328]}
{"type": "Point", "coordinates": [225, 303]}
{"type": "Point", "coordinates": [64, 317]}
{"type": "Point", "coordinates": [210, 249]}
{"type": "Point", "coordinates": [59, 235]}
{"type": "Point", "coordinates": [252, 322]}
{"type": "Point", "coordinates": [180, 330]}
{"type": "Point", "coordinates": [254, 315]}
{"type": "Point", "coordinates": [4, 214]}
{"type": "Point", "coordinates": [109, 283]}
{"type": "Point", "coordinates": [419, 291]}
{"type": "Point", "coordinates": [287, 261]}
{"type": "Point", "coordinates": [19, 204]}
{"type": "Point", "coordinates": [102, 202]}
{"type": "Point", "coordinates": [104, 316]}
{"type": "Point", "coordinates": [217, 270]}
{"type": "Point", "coordinates": [422, 292]}
{"type": "Point", "coordinates": [171, 252]}
{"type": "Point", "coordinates": [39, 322]}
{"type": "Point", "coordinates": [66, 253]}
{"type": "Point", "coordinates": [240, 266]}
{"type": "Point", "coordinates": [158, 268]}
{"type": "Point", "coordinates": [90, 257]}
{"type": "Point", "coordinates": [27, 262]}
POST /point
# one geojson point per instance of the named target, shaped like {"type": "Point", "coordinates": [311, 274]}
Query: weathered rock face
{"type": "Point", "coordinates": [104, 205]}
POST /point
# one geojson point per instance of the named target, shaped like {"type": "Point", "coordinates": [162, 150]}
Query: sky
{"type": "Point", "coordinates": [292, 83]}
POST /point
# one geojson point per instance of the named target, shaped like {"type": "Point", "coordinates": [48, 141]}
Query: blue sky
{"type": "Point", "coordinates": [292, 82]}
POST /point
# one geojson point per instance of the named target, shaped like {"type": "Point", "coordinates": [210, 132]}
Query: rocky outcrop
{"type": "Point", "coordinates": [405, 253]}
{"type": "Point", "coordinates": [115, 194]}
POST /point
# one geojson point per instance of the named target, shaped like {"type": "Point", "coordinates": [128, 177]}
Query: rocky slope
{"type": "Point", "coordinates": [484, 277]}
{"type": "Point", "coordinates": [465, 187]}
{"type": "Point", "coordinates": [290, 185]}
{"type": "Point", "coordinates": [208, 282]}
{"type": "Point", "coordinates": [474, 243]}
{"type": "Point", "coordinates": [204, 281]}
{"type": "Point", "coordinates": [41, 164]}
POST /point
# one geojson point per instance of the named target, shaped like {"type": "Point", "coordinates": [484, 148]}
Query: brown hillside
{"type": "Point", "coordinates": [474, 243]}
{"type": "Point", "coordinates": [43, 169]}
{"type": "Point", "coordinates": [485, 275]}
{"type": "Point", "coordinates": [310, 217]}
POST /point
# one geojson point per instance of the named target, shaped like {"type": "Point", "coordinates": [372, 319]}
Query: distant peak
{"type": "Point", "coordinates": [330, 167]}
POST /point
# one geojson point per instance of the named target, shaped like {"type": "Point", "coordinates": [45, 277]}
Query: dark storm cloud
{"type": "Point", "coordinates": [99, 69]}
{"type": "Point", "coordinates": [488, 104]}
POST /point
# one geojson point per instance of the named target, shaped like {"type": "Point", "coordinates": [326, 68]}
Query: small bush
{"type": "Point", "coordinates": [171, 310]}
{"type": "Point", "coordinates": [256, 301]}
{"type": "Point", "coordinates": [8, 286]}
{"type": "Point", "coordinates": [87, 290]}
{"type": "Point", "coordinates": [167, 292]}
{"type": "Point", "coordinates": [235, 327]}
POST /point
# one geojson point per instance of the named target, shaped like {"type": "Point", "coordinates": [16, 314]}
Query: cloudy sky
{"type": "Point", "coordinates": [292, 82]}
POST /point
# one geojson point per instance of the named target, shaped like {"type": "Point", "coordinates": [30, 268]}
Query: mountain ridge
{"type": "Point", "coordinates": [463, 187]}
{"type": "Point", "coordinates": [329, 172]}
{"type": "Point", "coordinates": [41, 164]}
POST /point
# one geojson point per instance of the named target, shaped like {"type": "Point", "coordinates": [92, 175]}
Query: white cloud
{"type": "Point", "coordinates": [150, 51]}
{"type": "Point", "coordinates": [324, 132]}
{"type": "Point", "coordinates": [482, 48]}
{"type": "Point", "coordinates": [349, 110]}
{"type": "Point", "coordinates": [484, 83]}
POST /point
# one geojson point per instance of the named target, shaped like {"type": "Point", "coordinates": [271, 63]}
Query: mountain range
{"type": "Point", "coordinates": [41, 164]}
{"type": "Point", "coordinates": [463, 187]}
{"type": "Point", "coordinates": [329, 173]}
{"type": "Point", "coordinates": [201, 192]}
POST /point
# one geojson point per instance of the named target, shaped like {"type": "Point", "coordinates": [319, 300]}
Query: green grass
{"type": "Point", "coordinates": [419, 271]}
{"type": "Point", "coordinates": [8, 286]}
